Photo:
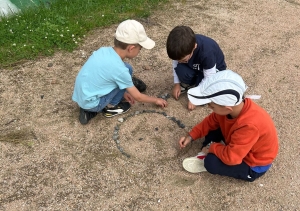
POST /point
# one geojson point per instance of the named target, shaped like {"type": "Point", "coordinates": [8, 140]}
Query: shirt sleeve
{"type": "Point", "coordinates": [123, 79]}
{"type": "Point", "coordinates": [202, 129]}
{"type": "Point", "coordinates": [174, 65]}
{"type": "Point", "coordinates": [237, 147]}
{"type": "Point", "coordinates": [209, 72]}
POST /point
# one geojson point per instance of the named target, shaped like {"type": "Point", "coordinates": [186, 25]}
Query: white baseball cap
{"type": "Point", "coordinates": [133, 32]}
{"type": "Point", "coordinates": [224, 88]}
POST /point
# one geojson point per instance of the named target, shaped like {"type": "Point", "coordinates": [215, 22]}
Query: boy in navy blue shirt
{"type": "Point", "coordinates": [194, 56]}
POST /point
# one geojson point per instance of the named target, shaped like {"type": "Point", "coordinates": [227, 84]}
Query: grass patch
{"type": "Point", "coordinates": [61, 25]}
{"type": "Point", "coordinates": [24, 137]}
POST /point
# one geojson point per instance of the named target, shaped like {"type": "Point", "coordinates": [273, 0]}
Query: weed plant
{"type": "Point", "coordinates": [61, 25]}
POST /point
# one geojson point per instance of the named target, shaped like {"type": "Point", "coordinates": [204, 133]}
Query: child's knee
{"type": "Point", "coordinates": [210, 162]}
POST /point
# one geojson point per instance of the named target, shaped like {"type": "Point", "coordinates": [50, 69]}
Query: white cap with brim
{"type": "Point", "coordinates": [224, 88]}
{"type": "Point", "coordinates": [133, 32]}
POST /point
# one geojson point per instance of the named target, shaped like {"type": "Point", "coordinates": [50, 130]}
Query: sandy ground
{"type": "Point", "coordinates": [49, 161]}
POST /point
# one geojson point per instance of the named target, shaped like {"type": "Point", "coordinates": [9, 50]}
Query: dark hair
{"type": "Point", "coordinates": [120, 44]}
{"type": "Point", "coordinates": [180, 42]}
{"type": "Point", "coordinates": [123, 45]}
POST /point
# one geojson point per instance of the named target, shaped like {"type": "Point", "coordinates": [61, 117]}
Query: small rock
{"type": "Point", "coordinates": [146, 67]}
{"type": "Point", "coordinates": [140, 139]}
{"type": "Point", "coordinates": [121, 120]}
{"type": "Point", "coordinates": [50, 64]}
{"type": "Point", "coordinates": [156, 128]}
{"type": "Point", "coordinates": [54, 81]}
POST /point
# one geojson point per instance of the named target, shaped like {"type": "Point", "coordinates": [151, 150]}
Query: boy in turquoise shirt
{"type": "Point", "coordinates": [104, 83]}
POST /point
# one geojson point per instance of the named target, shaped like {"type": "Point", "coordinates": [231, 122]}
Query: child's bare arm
{"type": "Point", "coordinates": [176, 91]}
{"type": "Point", "coordinates": [134, 92]}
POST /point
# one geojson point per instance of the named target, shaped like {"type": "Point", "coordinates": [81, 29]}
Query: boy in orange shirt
{"type": "Point", "coordinates": [240, 137]}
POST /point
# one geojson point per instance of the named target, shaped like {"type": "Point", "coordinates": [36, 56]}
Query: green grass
{"type": "Point", "coordinates": [62, 25]}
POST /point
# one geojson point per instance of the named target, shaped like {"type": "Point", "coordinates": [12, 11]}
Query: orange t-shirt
{"type": "Point", "coordinates": [251, 137]}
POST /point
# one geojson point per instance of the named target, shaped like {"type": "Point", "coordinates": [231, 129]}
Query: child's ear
{"type": "Point", "coordinates": [130, 47]}
{"type": "Point", "coordinates": [229, 108]}
{"type": "Point", "coordinates": [195, 46]}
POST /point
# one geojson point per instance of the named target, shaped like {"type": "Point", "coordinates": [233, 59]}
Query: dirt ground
{"type": "Point", "coordinates": [49, 161]}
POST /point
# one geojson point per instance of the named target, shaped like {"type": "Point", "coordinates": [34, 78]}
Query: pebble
{"type": "Point", "coordinates": [121, 120]}
{"type": "Point", "coordinates": [182, 125]}
{"type": "Point", "coordinates": [146, 67]}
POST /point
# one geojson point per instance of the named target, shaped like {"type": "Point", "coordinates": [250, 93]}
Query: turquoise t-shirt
{"type": "Point", "coordinates": [103, 72]}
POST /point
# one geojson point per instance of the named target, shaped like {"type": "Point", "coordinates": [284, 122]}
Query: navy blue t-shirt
{"type": "Point", "coordinates": [207, 54]}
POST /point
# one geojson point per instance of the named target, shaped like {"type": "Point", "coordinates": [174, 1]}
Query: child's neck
{"type": "Point", "coordinates": [237, 110]}
{"type": "Point", "coordinates": [120, 52]}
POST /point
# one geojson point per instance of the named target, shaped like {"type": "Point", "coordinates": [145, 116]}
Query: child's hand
{"type": "Point", "coordinates": [176, 91]}
{"type": "Point", "coordinates": [205, 150]}
{"type": "Point", "coordinates": [128, 97]}
{"type": "Point", "coordinates": [161, 102]}
{"type": "Point", "coordinates": [184, 141]}
{"type": "Point", "coordinates": [191, 106]}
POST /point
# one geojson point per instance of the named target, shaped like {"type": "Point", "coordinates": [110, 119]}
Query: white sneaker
{"type": "Point", "coordinates": [193, 165]}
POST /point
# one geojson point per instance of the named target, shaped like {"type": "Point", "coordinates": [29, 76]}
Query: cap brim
{"type": "Point", "coordinates": [193, 93]}
{"type": "Point", "coordinates": [148, 43]}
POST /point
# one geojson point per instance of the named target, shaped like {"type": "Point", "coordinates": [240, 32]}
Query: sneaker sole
{"type": "Point", "coordinates": [107, 115]}
{"type": "Point", "coordinates": [193, 165]}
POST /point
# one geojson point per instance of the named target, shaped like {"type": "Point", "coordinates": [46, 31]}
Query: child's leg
{"type": "Point", "coordinates": [242, 171]}
{"type": "Point", "coordinates": [113, 98]}
{"type": "Point", "coordinates": [213, 136]}
{"type": "Point", "coordinates": [120, 93]}
{"type": "Point", "coordinates": [107, 99]}
{"type": "Point", "coordinates": [187, 75]}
